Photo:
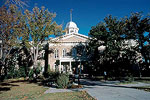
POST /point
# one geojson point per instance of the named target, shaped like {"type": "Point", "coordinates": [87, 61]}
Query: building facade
{"type": "Point", "coordinates": [64, 53]}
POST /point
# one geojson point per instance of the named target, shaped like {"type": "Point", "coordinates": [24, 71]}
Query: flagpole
{"type": "Point", "coordinates": [71, 15]}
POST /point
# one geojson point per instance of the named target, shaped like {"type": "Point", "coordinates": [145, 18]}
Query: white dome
{"type": "Point", "coordinates": [71, 25]}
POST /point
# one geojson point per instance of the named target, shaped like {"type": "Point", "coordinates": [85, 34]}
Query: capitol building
{"type": "Point", "coordinates": [65, 54]}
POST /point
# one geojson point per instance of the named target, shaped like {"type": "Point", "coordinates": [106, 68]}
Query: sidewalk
{"type": "Point", "coordinates": [109, 90]}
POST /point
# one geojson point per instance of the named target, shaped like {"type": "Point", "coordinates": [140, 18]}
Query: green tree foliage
{"type": "Point", "coordinates": [138, 27]}
{"type": "Point", "coordinates": [106, 34]}
{"type": "Point", "coordinates": [118, 35]}
{"type": "Point", "coordinates": [36, 26]}
{"type": "Point", "coordinates": [28, 29]}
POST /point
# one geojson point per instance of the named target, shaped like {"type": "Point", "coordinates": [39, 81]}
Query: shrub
{"type": "Point", "coordinates": [11, 72]}
{"type": "Point", "coordinates": [49, 78]}
{"type": "Point", "coordinates": [51, 74]}
{"type": "Point", "coordinates": [34, 73]}
{"type": "Point", "coordinates": [62, 81]}
{"type": "Point", "coordinates": [37, 71]}
{"type": "Point", "coordinates": [22, 72]}
{"type": "Point", "coordinates": [16, 73]}
{"type": "Point", "coordinates": [31, 73]}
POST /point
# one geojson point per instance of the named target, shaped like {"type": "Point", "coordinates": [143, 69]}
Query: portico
{"type": "Point", "coordinates": [67, 62]}
{"type": "Point", "coordinates": [69, 66]}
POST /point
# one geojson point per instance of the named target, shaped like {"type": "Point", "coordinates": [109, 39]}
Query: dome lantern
{"type": "Point", "coordinates": [71, 26]}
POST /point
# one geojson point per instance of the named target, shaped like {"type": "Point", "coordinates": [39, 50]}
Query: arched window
{"type": "Point", "coordinates": [56, 53]}
{"type": "Point", "coordinates": [71, 31]}
{"type": "Point", "coordinates": [64, 53]}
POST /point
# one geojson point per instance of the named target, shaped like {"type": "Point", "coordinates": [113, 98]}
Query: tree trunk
{"type": "Point", "coordinates": [36, 56]}
{"type": "Point", "coordinates": [35, 59]}
{"type": "Point", "coordinates": [46, 60]}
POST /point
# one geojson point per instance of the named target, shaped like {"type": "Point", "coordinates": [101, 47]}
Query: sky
{"type": "Point", "coordinates": [88, 13]}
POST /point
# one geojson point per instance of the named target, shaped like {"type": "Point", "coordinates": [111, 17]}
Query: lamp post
{"type": "Point", "coordinates": [78, 70]}
{"type": "Point", "coordinates": [79, 73]}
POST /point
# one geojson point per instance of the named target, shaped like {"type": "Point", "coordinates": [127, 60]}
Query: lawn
{"type": "Point", "coordinates": [145, 88]}
{"type": "Point", "coordinates": [144, 81]}
{"type": "Point", "coordinates": [23, 90]}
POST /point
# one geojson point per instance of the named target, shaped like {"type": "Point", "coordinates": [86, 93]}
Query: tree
{"type": "Point", "coordinates": [18, 3]}
{"type": "Point", "coordinates": [36, 27]}
{"type": "Point", "coordinates": [138, 27]}
{"type": "Point", "coordinates": [106, 34]}
{"type": "Point", "coordinates": [24, 59]}
{"type": "Point", "coordinates": [8, 21]}
{"type": "Point", "coordinates": [124, 40]}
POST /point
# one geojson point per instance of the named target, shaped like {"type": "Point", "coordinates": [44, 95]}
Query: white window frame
{"type": "Point", "coordinates": [56, 53]}
{"type": "Point", "coordinates": [64, 53]}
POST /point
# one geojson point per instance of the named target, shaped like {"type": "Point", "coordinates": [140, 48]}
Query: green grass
{"type": "Point", "coordinates": [145, 88]}
{"type": "Point", "coordinates": [144, 81]}
{"type": "Point", "coordinates": [23, 90]}
{"type": "Point", "coordinates": [135, 82]}
{"type": "Point", "coordinates": [127, 82]}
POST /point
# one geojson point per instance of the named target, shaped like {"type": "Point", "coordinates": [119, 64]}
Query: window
{"type": "Point", "coordinates": [56, 53]}
{"type": "Point", "coordinates": [64, 53]}
{"type": "Point", "coordinates": [71, 31]}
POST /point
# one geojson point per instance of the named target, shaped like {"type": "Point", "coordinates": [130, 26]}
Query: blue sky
{"type": "Point", "coordinates": [87, 13]}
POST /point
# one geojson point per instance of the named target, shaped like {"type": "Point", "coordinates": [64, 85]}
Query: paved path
{"type": "Point", "coordinates": [109, 91]}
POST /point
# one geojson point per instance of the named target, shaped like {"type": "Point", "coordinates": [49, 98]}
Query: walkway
{"type": "Point", "coordinates": [109, 91]}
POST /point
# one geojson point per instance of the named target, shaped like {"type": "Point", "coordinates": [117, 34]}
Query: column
{"type": "Point", "coordinates": [70, 67]}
